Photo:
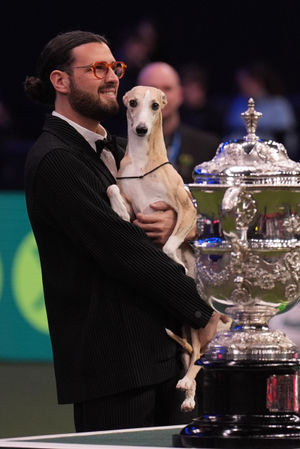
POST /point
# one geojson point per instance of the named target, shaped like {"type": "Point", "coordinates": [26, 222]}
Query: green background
{"type": "Point", "coordinates": [24, 331]}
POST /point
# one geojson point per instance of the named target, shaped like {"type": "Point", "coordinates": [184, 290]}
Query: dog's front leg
{"type": "Point", "coordinates": [118, 202]}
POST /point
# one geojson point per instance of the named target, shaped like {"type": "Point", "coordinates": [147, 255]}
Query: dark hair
{"type": "Point", "coordinates": [57, 54]}
{"type": "Point", "coordinates": [265, 74]}
{"type": "Point", "coordinates": [193, 73]}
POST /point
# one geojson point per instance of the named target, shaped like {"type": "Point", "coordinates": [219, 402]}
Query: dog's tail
{"type": "Point", "coordinates": [186, 346]}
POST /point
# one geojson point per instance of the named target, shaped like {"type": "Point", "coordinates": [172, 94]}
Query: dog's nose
{"type": "Point", "coordinates": [141, 130]}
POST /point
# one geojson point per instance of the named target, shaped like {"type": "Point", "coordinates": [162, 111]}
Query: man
{"type": "Point", "coordinates": [109, 290]}
{"type": "Point", "coordinates": [186, 146]}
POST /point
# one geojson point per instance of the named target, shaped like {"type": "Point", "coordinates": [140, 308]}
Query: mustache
{"type": "Point", "coordinates": [108, 85]}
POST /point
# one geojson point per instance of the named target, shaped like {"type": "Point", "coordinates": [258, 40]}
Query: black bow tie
{"type": "Point", "coordinates": [105, 143]}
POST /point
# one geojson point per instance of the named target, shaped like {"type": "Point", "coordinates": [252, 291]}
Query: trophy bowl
{"type": "Point", "coordinates": [248, 267]}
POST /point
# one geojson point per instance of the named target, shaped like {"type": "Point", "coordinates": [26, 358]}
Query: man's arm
{"type": "Point", "coordinates": [71, 195]}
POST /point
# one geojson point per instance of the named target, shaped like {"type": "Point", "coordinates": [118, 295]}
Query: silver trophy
{"type": "Point", "coordinates": [248, 267]}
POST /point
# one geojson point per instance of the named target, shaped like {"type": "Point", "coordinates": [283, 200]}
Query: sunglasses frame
{"type": "Point", "coordinates": [92, 67]}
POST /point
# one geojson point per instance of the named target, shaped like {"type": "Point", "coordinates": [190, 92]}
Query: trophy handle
{"type": "Point", "coordinates": [231, 198]}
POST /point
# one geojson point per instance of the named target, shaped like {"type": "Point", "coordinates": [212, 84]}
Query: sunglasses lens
{"type": "Point", "coordinates": [100, 70]}
{"type": "Point", "coordinates": [118, 69]}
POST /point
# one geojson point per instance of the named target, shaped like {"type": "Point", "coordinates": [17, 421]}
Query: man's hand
{"type": "Point", "coordinates": [207, 333]}
{"type": "Point", "coordinates": [159, 225]}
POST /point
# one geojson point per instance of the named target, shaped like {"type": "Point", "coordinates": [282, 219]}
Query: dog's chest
{"type": "Point", "coordinates": [142, 192]}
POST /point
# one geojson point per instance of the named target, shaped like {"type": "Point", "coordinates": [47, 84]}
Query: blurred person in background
{"type": "Point", "coordinates": [197, 109]}
{"type": "Point", "coordinates": [278, 122]}
{"type": "Point", "coordinates": [187, 146]}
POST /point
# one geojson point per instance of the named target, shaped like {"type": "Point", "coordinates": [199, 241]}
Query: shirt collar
{"type": "Point", "coordinates": [90, 136]}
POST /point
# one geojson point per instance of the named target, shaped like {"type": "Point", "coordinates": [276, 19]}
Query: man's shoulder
{"type": "Point", "coordinates": [57, 137]}
{"type": "Point", "coordinates": [196, 146]}
{"type": "Point", "coordinates": [200, 144]}
{"type": "Point", "coordinates": [48, 140]}
{"type": "Point", "coordinates": [189, 132]}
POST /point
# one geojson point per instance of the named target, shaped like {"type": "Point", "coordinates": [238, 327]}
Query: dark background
{"type": "Point", "coordinates": [221, 35]}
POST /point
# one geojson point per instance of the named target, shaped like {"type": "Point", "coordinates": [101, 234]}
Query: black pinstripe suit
{"type": "Point", "coordinates": [109, 291]}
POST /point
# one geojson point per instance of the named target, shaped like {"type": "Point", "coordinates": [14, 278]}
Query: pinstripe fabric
{"type": "Point", "coordinates": [157, 405]}
{"type": "Point", "coordinates": [109, 291]}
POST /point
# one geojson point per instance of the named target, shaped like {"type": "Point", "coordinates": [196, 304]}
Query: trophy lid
{"type": "Point", "coordinates": [250, 159]}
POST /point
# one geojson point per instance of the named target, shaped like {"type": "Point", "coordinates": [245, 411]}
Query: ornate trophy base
{"type": "Point", "coordinates": [247, 404]}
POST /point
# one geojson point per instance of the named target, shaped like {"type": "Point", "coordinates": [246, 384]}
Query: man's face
{"type": "Point", "coordinates": [164, 78]}
{"type": "Point", "coordinates": [89, 96]}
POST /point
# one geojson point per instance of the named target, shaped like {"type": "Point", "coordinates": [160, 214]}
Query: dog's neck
{"type": "Point", "coordinates": [149, 151]}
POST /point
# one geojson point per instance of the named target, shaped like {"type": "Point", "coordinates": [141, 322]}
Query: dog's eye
{"type": "Point", "coordinates": [155, 106]}
{"type": "Point", "coordinates": [133, 103]}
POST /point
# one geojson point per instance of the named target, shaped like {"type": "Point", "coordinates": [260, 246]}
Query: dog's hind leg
{"type": "Point", "coordinates": [171, 247]}
{"type": "Point", "coordinates": [188, 382]}
{"type": "Point", "coordinates": [189, 402]}
{"type": "Point", "coordinates": [186, 218]}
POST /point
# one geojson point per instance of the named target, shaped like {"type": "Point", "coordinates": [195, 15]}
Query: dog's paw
{"type": "Point", "coordinates": [117, 202]}
{"type": "Point", "coordinates": [188, 405]}
{"type": "Point", "coordinates": [185, 384]}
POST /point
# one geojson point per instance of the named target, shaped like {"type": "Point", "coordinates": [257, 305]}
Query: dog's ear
{"type": "Point", "coordinates": [125, 99]}
{"type": "Point", "coordinates": [164, 100]}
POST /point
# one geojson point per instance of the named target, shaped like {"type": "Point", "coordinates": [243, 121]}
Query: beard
{"type": "Point", "coordinates": [86, 104]}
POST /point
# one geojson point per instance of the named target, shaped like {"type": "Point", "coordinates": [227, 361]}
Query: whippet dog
{"type": "Point", "coordinates": [146, 176]}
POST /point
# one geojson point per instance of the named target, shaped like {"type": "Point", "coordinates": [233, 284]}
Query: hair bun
{"type": "Point", "coordinates": [34, 89]}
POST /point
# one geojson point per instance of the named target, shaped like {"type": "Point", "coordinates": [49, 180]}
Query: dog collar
{"type": "Point", "coordinates": [145, 174]}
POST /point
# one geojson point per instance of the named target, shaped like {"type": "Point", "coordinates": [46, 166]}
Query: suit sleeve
{"type": "Point", "coordinates": [74, 198]}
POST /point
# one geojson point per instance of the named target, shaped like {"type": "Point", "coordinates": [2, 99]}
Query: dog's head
{"type": "Point", "coordinates": [144, 105]}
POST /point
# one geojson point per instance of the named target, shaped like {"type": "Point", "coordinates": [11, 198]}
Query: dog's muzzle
{"type": "Point", "coordinates": [141, 130]}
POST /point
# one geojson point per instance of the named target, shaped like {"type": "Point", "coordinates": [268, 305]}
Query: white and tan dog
{"type": "Point", "coordinates": [146, 176]}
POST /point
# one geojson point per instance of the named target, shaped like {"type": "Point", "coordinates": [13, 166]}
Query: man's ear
{"type": "Point", "coordinates": [164, 100]}
{"type": "Point", "coordinates": [60, 81]}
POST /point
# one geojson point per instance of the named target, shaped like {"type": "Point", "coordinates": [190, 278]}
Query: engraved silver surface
{"type": "Point", "coordinates": [248, 252]}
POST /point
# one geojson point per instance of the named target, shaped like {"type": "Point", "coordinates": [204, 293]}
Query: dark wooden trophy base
{"type": "Point", "coordinates": [247, 404]}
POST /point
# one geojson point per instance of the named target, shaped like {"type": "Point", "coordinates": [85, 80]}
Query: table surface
{"type": "Point", "coordinates": [143, 437]}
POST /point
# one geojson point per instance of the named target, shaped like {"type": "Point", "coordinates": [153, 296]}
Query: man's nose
{"type": "Point", "coordinates": [110, 75]}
